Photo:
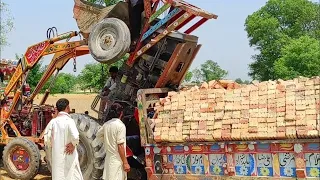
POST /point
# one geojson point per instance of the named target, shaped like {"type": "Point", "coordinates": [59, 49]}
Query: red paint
{"type": "Point", "coordinates": [195, 26]}
{"type": "Point", "coordinates": [34, 52]}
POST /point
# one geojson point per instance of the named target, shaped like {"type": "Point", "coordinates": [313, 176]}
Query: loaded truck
{"type": "Point", "coordinates": [223, 130]}
{"type": "Point", "coordinates": [160, 58]}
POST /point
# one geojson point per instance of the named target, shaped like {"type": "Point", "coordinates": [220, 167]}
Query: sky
{"type": "Point", "coordinates": [223, 40]}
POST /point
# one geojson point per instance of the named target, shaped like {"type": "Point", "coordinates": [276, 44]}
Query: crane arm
{"type": "Point", "coordinates": [35, 52]}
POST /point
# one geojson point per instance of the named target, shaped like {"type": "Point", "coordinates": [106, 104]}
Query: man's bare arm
{"type": "Point", "coordinates": [122, 154]}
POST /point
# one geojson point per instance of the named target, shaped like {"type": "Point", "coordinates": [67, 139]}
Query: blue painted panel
{"type": "Point", "coordinates": [312, 164]}
{"type": "Point", "coordinates": [160, 23]}
{"type": "Point", "coordinates": [245, 164]}
{"type": "Point", "coordinates": [287, 165]}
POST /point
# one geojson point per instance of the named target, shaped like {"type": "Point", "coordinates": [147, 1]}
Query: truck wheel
{"type": "Point", "coordinates": [90, 149]}
{"type": "Point", "coordinates": [21, 158]}
{"type": "Point", "coordinates": [109, 40]}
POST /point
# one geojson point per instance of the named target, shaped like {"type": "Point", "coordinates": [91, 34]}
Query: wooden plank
{"type": "Point", "coordinates": [159, 24]}
{"type": "Point", "coordinates": [159, 12]}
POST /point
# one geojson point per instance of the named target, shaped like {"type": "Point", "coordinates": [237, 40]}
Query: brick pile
{"type": "Point", "coordinates": [226, 111]}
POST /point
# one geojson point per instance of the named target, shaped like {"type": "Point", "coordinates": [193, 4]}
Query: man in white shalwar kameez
{"type": "Point", "coordinates": [61, 137]}
{"type": "Point", "coordinates": [114, 134]}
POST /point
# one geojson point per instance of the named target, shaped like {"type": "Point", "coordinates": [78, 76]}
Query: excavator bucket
{"type": "Point", "coordinates": [88, 14]}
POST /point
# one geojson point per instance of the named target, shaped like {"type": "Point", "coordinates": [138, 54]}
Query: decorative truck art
{"type": "Point", "coordinates": [223, 130]}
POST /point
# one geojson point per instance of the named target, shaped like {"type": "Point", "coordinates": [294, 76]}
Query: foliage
{"type": "Point", "coordinates": [273, 27]}
{"type": "Point", "coordinates": [6, 24]}
{"type": "Point", "coordinates": [64, 83]}
{"type": "Point", "coordinates": [104, 2]}
{"type": "Point", "coordinates": [188, 77]}
{"type": "Point", "coordinates": [208, 71]}
{"type": "Point", "coordinates": [197, 76]}
{"type": "Point", "coordinates": [94, 75]}
{"type": "Point", "coordinates": [212, 71]}
{"type": "Point", "coordinates": [240, 81]}
{"type": "Point", "coordinates": [35, 73]}
{"type": "Point", "coordinates": [301, 57]}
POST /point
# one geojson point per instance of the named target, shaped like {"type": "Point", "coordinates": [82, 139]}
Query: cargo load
{"type": "Point", "coordinates": [224, 130]}
{"type": "Point", "coordinates": [224, 111]}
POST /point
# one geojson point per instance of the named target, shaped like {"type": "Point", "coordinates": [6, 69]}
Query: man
{"type": "Point", "coordinates": [114, 134]}
{"type": "Point", "coordinates": [111, 82]}
{"type": "Point", "coordinates": [108, 87]}
{"type": "Point", "coordinates": [61, 137]}
{"type": "Point", "coordinates": [135, 10]}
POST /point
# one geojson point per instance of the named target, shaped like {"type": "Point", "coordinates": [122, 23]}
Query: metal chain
{"type": "Point", "coordinates": [74, 62]}
{"type": "Point", "coordinates": [74, 65]}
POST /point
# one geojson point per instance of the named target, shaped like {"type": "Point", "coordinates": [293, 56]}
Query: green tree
{"type": "Point", "coordinates": [35, 73]}
{"type": "Point", "coordinates": [188, 76]}
{"type": "Point", "coordinates": [210, 70]}
{"type": "Point", "coordinates": [64, 83]}
{"type": "Point", "coordinates": [6, 24]}
{"type": "Point", "coordinates": [197, 76]}
{"type": "Point", "coordinates": [301, 57]}
{"type": "Point", "coordinates": [94, 75]}
{"type": "Point", "coordinates": [104, 2]}
{"type": "Point", "coordinates": [240, 81]}
{"type": "Point", "coordinates": [272, 27]}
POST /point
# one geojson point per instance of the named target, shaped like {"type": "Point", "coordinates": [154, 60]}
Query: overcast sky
{"type": "Point", "coordinates": [224, 40]}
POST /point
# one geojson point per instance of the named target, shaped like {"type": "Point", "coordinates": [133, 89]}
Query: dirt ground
{"type": "Point", "coordinates": [79, 102]}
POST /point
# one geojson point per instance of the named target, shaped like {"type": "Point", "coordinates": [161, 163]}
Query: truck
{"type": "Point", "coordinates": [223, 130]}
{"type": "Point", "coordinates": [160, 59]}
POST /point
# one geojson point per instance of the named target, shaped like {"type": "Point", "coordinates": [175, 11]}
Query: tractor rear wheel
{"type": "Point", "coordinates": [21, 158]}
{"type": "Point", "coordinates": [90, 149]}
{"type": "Point", "coordinates": [109, 40]}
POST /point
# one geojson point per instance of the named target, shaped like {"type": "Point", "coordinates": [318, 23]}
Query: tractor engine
{"type": "Point", "coordinates": [31, 121]}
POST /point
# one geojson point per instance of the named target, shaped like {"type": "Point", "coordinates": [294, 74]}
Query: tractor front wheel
{"type": "Point", "coordinates": [21, 158]}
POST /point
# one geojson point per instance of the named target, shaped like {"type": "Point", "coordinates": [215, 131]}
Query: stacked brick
{"type": "Point", "coordinates": [225, 111]}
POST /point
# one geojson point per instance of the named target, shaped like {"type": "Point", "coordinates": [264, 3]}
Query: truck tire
{"type": "Point", "coordinates": [90, 149]}
{"type": "Point", "coordinates": [21, 158]}
{"type": "Point", "coordinates": [109, 40]}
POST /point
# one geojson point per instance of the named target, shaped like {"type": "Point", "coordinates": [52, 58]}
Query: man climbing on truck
{"type": "Point", "coordinates": [108, 87]}
{"type": "Point", "coordinates": [135, 10]}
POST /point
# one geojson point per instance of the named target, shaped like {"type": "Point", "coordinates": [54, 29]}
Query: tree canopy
{"type": "Point", "coordinates": [208, 71]}
{"type": "Point", "coordinates": [6, 24]}
{"type": "Point", "coordinates": [274, 30]}
{"type": "Point", "coordinates": [301, 57]}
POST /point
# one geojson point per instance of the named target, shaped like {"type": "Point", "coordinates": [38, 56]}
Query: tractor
{"type": "Point", "coordinates": [160, 58]}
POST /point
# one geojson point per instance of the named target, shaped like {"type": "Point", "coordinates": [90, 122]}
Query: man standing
{"type": "Point", "coordinates": [114, 134]}
{"type": "Point", "coordinates": [61, 137]}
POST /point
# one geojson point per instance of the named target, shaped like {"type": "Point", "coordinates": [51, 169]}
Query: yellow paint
{"type": "Point", "coordinates": [276, 164]}
{"type": "Point", "coordinates": [196, 148]}
{"type": "Point", "coordinates": [286, 147]}
{"type": "Point", "coordinates": [15, 77]}
{"type": "Point", "coordinates": [242, 147]}
{"type": "Point", "coordinates": [205, 163]}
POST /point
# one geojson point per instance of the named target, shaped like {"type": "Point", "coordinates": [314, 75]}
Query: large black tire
{"type": "Point", "coordinates": [34, 161]}
{"type": "Point", "coordinates": [90, 149]}
{"type": "Point", "coordinates": [109, 40]}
